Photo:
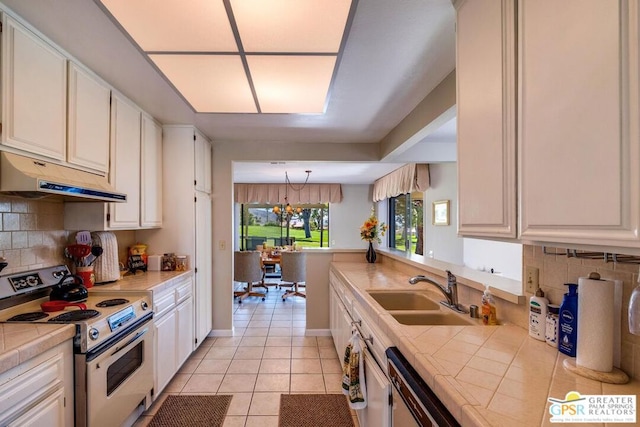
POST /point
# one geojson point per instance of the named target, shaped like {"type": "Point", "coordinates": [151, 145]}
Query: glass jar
{"type": "Point", "coordinates": [168, 262]}
{"type": "Point", "coordinates": [181, 263]}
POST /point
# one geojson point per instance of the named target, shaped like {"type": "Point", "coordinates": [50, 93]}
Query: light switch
{"type": "Point", "coordinates": [222, 245]}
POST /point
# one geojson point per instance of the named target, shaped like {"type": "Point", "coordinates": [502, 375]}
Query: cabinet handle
{"type": "Point", "coordinates": [356, 322]}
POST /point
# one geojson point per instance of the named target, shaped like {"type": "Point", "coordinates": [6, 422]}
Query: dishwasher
{"type": "Point", "coordinates": [414, 403]}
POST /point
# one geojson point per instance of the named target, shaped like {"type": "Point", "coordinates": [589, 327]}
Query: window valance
{"type": "Point", "coordinates": [275, 193]}
{"type": "Point", "coordinates": [407, 179]}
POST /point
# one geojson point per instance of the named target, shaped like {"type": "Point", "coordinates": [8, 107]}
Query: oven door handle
{"type": "Point", "coordinates": [131, 341]}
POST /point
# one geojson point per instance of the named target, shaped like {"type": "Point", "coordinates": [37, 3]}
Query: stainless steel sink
{"type": "Point", "coordinates": [408, 300]}
{"type": "Point", "coordinates": [432, 318]}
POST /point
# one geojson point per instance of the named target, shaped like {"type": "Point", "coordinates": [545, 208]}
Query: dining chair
{"type": "Point", "coordinates": [294, 271]}
{"type": "Point", "coordinates": [247, 269]}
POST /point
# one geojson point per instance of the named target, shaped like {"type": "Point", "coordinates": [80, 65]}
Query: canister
{"type": "Point", "coordinates": [551, 330]}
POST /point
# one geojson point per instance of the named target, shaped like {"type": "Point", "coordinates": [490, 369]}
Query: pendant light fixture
{"type": "Point", "coordinates": [288, 209]}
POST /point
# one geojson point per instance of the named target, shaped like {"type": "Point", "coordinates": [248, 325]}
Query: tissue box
{"type": "Point", "coordinates": [154, 262]}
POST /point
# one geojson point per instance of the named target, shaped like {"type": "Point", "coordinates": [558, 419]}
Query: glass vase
{"type": "Point", "coordinates": [371, 254]}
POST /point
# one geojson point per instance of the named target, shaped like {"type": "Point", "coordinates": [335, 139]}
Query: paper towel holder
{"type": "Point", "coordinates": [615, 376]}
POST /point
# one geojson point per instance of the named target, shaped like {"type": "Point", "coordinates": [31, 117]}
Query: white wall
{"type": "Point", "coordinates": [505, 258]}
{"type": "Point", "coordinates": [443, 240]}
{"type": "Point", "coordinates": [346, 218]}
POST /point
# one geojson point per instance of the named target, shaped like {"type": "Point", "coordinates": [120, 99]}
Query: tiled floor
{"type": "Point", "coordinates": [268, 355]}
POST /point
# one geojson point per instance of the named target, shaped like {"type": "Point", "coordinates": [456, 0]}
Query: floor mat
{"type": "Point", "coordinates": [192, 411]}
{"type": "Point", "coordinates": [313, 410]}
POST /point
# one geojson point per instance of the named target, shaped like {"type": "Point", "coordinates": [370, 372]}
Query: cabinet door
{"type": "Point", "coordinates": [378, 411]}
{"type": "Point", "coordinates": [185, 330]}
{"type": "Point", "coordinates": [578, 122]}
{"type": "Point", "coordinates": [151, 174]}
{"type": "Point", "coordinates": [203, 282]}
{"type": "Point", "coordinates": [166, 363]}
{"type": "Point", "coordinates": [125, 165]}
{"type": "Point", "coordinates": [202, 164]}
{"type": "Point", "coordinates": [34, 93]}
{"type": "Point", "coordinates": [485, 75]}
{"type": "Point", "coordinates": [89, 119]}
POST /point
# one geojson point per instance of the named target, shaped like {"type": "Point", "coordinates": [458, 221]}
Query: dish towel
{"type": "Point", "coordinates": [353, 382]}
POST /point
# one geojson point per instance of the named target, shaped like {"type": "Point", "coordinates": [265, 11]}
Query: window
{"type": "Point", "coordinates": [308, 228]}
{"type": "Point", "coordinates": [406, 216]}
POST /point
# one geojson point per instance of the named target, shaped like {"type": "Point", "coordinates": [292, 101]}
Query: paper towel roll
{"type": "Point", "coordinates": [595, 324]}
{"type": "Point", "coordinates": [617, 323]}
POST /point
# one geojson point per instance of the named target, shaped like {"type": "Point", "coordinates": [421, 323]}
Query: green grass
{"type": "Point", "coordinates": [270, 232]}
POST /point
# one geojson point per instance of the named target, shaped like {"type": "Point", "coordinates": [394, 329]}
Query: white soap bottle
{"type": "Point", "coordinates": [538, 315]}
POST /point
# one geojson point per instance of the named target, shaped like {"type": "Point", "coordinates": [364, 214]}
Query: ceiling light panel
{"type": "Point", "coordinates": [175, 25]}
{"type": "Point", "coordinates": [210, 83]}
{"type": "Point", "coordinates": [281, 26]}
{"type": "Point", "coordinates": [291, 84]}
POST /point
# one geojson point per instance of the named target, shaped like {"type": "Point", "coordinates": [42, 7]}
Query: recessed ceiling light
{"type": "Point", "coordinates": [242, 56]}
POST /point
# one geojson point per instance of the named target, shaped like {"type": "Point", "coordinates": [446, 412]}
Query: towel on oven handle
{"type": "Point", "coordinates": [353, 381]}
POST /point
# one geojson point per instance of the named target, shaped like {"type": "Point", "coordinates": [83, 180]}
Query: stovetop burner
{"type": "Point", "coordinates": [73, 316]}
{"type": "Point", "coordinates": [112, 302]}
{"type": "Point", "coordinates": [28, 317]}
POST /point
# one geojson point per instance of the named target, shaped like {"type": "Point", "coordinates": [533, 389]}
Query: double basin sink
{"type": "Point", "coordinates": [416, 308]}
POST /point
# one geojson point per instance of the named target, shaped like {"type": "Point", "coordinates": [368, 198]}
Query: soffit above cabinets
{"type": "Point", "coordinates": [242, 56]}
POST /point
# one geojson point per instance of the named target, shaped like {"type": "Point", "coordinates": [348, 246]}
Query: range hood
{"type": "Point", "coordinates": [31, 178]}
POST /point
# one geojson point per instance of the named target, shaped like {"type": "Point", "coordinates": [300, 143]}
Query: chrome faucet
{"type": "Point", "coordinates": [450, 292]}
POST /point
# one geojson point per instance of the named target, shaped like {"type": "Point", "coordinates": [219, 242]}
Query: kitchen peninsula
{"type": "Point", "coordinates": [484, 375]}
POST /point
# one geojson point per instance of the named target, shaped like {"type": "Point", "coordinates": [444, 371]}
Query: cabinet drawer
{"type": "Point", "coordinates": [29, 387]}
{"type": "Point", "coordinates": [183, 291]}
{"type": "Point", "coordinates": [163, 304]}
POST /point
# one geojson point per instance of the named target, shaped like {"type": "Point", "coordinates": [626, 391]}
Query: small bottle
{"type": "Point", "coordinates": [488, 308]}
{"type": "Point", "coordinates": [568, 322]}
{"type": "Point", "coordinates": [551, 331]}
{"type": "Point", "coordinates": [634, 310]}
{"type": "Point", "coordinates": [538, 315]}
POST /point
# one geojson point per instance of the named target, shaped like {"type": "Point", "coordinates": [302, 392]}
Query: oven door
{"type": "Point", "coordinates": [118, 379]}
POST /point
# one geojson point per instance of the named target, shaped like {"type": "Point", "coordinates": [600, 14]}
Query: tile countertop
{"type": "Point", "coordinates": [485, 375]}
{"type": "Point", "coordinates": [20, 342]}
{"type": "Point", "coordinates": [148, 281]}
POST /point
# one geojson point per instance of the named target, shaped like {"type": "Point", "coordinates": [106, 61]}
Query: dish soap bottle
{"type": "Point", "coordinates": [488, 308]}
{"type": "Point", "coordinates": [538, 315]}
{"type": "Point", "coordinates": [568, 320]}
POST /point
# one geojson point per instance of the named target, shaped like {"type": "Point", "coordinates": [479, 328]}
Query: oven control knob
{"type": "Point", "coordinates": [93, 333]}
{"type": "Point", "coordinates": [144, 305]}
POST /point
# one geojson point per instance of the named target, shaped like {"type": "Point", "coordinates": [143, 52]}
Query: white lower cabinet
{"type": "Point", "coordinates": [39, 391]}
{"type": "Point", "coordinates": [344, 312]}
{"type": "Point", "coordinates": [165, 351]}
{"type": "Point", "coordinates": [173, 308]}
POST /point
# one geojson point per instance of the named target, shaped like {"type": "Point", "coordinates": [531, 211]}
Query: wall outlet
{"type": "Point", "coordinates": [531, 279]}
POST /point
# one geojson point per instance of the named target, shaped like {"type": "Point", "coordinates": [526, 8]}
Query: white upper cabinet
{"type": "Point", "coordinates": [202, 165]}
{"type": "Point", "coordinates": [578, 121]}
{"type": "Point", "coordinates": [485, 75]}
{"type": "Point", "coordinates": [125, 167]}
{"type": "Point", "coordinates": [34, 93]}
{"type": "Point", "coordinates": [151, 173]}
{"type": "Point", "coordinates": [88, 121]}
